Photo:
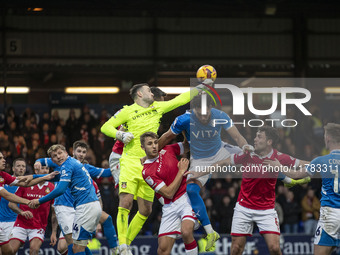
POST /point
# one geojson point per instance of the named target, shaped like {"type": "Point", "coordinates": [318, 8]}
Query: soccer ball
{"type": "Point", "coordinates": [206, 72]}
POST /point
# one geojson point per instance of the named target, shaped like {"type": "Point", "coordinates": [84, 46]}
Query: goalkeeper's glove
{"type": "Point", "coordinates": [297, 182]}
{"type": "Point", "coordinates": [124, 137]}
{"type": "Point", "coordinates": [209, 82]}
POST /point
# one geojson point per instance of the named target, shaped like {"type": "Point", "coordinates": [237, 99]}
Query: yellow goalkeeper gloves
{"type": "Point", "coordinates": [297, 182]}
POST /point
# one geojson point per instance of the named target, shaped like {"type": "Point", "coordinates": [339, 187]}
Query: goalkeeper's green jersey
{"type": "Point", "coordinates": [139, 120]}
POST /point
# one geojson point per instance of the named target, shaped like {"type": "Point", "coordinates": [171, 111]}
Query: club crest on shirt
{"type": "Point", "coordinates": [2, 180]}
{"type": "Point", "coordinates": [123, 185]}
{"type": "Point", "coordinates": [149, 180]}
{"type": "Point", "coordinates": [47, 190]}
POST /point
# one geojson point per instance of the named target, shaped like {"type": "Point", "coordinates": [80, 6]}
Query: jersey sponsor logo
{"type": "Point", "coordinates": [144, 114]}
{"type": "Point", "coordinates": [124, 185]}
{"type": "Point", "coordinates": [149, 181]}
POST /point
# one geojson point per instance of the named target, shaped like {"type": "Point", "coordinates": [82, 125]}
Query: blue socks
{"type": "Point", "coordinates": [86, 252]}
{"type": "Point", "coordinates": [197, 203]}
{"type": "Point", "coordinates": [69, 248]}
{"type": "Point", "coordinates": [110, 232]}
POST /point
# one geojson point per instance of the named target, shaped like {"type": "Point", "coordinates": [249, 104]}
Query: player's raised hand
{"type": "Point", "coordinates": [51, 175]}
{"type": "Point", "coordinates": [124, 137]}
{"type": "Point", "coordinates": [26, 178]}
{"type": "Point", "coordinates": [247, 148]}
{"type": "Point", "coordinates": [34, 204]}
{"type": "Point", "coordinates": [26, 214]}
{"type": "Point", "coordinates": [37, 165]}
{"type": "Point", "coordinates": [183, 165]}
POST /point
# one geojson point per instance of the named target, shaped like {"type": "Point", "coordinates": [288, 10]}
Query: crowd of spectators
{"type": "Point", "coordinates": [28, 135]}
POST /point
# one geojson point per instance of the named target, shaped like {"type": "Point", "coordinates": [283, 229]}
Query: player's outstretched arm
{"type": "Point", "coordinates": [12, 197]}
{"type": "Point", "coordinates": [44, 162]}
{"type": "Point", "coordinates": [165, 139]}
{"type": "Point", "coordinates": [169, 191]}
{"type": "Point", "coordinates": [292, 173]}
{"type": "Point", "coordinates": [180, 100]}
{"type": "Point", "coordinates": [97, 172]}
{"type": "Point", "coordinates": [239, 139]}
{"type": "Point", "coordinates": [15, 208]}
{"type": "Point", "coordinates": [289, 182]}
{"type": "Point", "coordinates": [31, 180]}
{"type": "Point", "coordinates": [59, 190]}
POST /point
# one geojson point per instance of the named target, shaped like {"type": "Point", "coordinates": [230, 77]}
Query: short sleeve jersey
{"type": "Point", "coordinates": [162, 171]}
{"type": "Point", "coordinates": [328, 167]}
{"type": "Point", "coordinates": [6, 214]}
{"type": "Point", "coordinates": [6, 178]}
{"type": "Point", "coordinates": [40, 215]}
{"type": "Point", "coordinates": [258, 186]}
{"type": "Point", "coordinates": [205, 139]}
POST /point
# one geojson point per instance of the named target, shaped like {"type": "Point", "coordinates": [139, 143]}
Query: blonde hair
{"type": "Point", "coordinates": [333, 130]}
{"type": "Point", "coordinates": [54, 148]}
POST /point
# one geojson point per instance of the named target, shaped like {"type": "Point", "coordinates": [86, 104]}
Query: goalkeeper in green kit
{"type": "Point", "coordinates": [142, 116]}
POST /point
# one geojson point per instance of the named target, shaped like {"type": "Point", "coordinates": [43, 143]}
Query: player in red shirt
{"type": "Point", "coordinates": [164, 174]}
{"type": "Point", "coordinates": [6, 178]}
{"type": "Point", "coordinates": [32, 225]}
{"type": "Point", "coordinates": [256, 200]}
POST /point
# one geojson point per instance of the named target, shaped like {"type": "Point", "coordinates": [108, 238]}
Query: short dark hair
{"type": "Point", "coordinates": [18, 159]}
{"type": "Point", "coordinates": [196, 102]}
{"type": "Point", "coordinates": [271, 134]}
{"type": "Point", "coordinates": [147, 134]}
{"type": "Point", "coordinates": [157, 93]}
{"type": "Point", "coordinates": [135, 88]}
{"type": "Point", "coordinates": [80, 143]}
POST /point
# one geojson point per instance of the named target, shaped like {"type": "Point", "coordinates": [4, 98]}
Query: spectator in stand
{"type": "Point", "coordinates": [72, 126]}
{"type": "Point", "coordinates": [45, 135]}
{"type": "Point", "coordinates": [291, 211]}
{"type": "Point", "coordinates": [226, 215]}
{"type": "Point", "coordinates": [218, 192]}
{"type": "Point", "coordinates": [46, 119]}
{"type": "Point", "coordinates": [102, 147]}
{"type": "Point", "coordinates": [109, 201]}
{"type": "Point", "coordinates": [211, 211]}
{"type": "Point", "coordinates": [55, 121]}
{"type": "Point", "coordinates": [310, 211]}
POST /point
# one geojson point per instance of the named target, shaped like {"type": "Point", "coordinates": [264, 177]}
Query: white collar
{"type": "Point", "coordinates": [151, 160]}
{"type": "Point", "coordinates": [262, 157]}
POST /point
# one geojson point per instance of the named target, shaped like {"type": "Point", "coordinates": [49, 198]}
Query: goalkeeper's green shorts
{"type": "Point", "coordinates": [131, 180]}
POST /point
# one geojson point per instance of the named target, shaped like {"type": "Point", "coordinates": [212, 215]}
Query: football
{"type": "Point", "coordinates": [206, 72]}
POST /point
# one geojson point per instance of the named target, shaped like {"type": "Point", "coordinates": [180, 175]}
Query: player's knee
{"type": "Point", "coordinates": [163, 250]}
{"type": "Point", "coordinates": [236, 249]}
{"type": "Point", "coordinates": [34, 250]}
{"type": "Point", "coordinates": [146, 211]}
{"type": "Point", "coordinates": [274, 248]}
{"type": "Point", "coordinates": [187, 234]}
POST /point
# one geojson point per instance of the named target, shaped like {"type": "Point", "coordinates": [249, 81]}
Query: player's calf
{"type": "Point", "coordinates": [237, 245]}
{"type": "Point", "coordinates": [165, 244]}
